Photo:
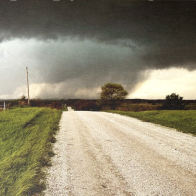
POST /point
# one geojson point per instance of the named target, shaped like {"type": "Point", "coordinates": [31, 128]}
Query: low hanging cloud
{"type": "Point", "coordinates": [84, 44]}
{"type": "Point", "coordinates": [75, 67]}
{"type": "Point", "coordinates": [60, 90]}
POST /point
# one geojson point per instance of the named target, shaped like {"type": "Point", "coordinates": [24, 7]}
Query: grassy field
{"type": "Point", "coordinates": [182, 120]}
{"type": "Point", "coordinates": [25, 148]}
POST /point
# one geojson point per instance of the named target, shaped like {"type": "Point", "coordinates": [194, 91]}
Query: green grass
{"type": "Point", "coordinates": [182, 120]}
{"type": "Point", "coordinates": [25, 148]}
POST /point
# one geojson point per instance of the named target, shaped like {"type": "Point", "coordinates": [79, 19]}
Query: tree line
{"type": "Point", "coordinates": [112, 93]}
{"type": "Point", "coordinates": [111, 98]}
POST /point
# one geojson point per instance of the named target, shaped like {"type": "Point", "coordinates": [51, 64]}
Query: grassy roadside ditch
{"type": "Point", "coordinates": [25, 148]}
{"type": "Point", "coordinates": [182, 120]}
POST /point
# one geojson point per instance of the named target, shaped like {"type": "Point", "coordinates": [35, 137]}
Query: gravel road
{"type": "Point", "coordinates": [106, 154]}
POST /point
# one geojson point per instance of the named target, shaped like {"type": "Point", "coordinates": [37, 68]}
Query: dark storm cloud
{"type": "Point", "coordinates": [86, 64]}
{"type": "Point", "coordinates": [83, 44]}
{"type": "Point", "coordinates": [166, 29]}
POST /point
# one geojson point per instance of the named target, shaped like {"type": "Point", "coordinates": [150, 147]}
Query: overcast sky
{"type": "Point", "coordinates": [72, 48]}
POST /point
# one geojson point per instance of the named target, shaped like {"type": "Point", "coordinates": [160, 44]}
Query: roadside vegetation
{"type": "Point", "coordinates": [172, 113]}
{"type": "Point", "coordinates": [26, 136]}
{"type": "Point", "coordinates": [182, 120]}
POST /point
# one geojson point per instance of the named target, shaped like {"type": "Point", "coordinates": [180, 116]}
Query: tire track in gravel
{"type": "Point", "coordinates": [93, 160]}
{"type": "Point", "coordinates": [172, 172]}
{"type": "Point", "coordinates": [107, 154]}
{"type": "Point", "coordinates": [109, 176]}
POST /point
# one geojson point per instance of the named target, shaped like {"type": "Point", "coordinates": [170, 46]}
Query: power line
{"type": "Point", "coordinates": [12, 55]}
{"type": "Point", "coordinates": [30, 73]}
{"type": "Point", "coordinates": [12, 62]}
{"type": "Point", "coordinates": [26, 70]}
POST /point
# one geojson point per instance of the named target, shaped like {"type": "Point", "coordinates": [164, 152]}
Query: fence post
{"type": "Point", "coordinates": [4, 106]}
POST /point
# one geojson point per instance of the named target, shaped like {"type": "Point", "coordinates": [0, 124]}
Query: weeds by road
{"type": "Point", "coordinates": [182, 120]}
{"type": "Point", "coordinates": [25, 145]}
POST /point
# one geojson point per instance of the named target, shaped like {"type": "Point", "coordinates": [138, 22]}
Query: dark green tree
{"type": "Point", "coordinates": [23, 98]}
{"type": "Point", "coordinates": [112, 93]}
{"type": "Point", "coordinates": [173, 102]}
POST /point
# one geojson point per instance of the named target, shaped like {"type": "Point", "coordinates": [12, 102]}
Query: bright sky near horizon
{"type": "Point", "coordinates": [72, 48]}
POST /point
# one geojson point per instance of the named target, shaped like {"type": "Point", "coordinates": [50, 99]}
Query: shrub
{"type": "Point", "coordinates": [173, 102]}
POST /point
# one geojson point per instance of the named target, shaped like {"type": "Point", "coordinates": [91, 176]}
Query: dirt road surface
{"type": "Point", "coordinates": [106, 154]}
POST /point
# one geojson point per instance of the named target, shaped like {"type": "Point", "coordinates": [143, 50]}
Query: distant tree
{"type": "Point", "coordinates": [23, 98]}
{"type": "Point", "coordinates": [173, 102]}
{"type": "Point", "coordinates": [22, 101]}
{"type": "Point", "coordinates": [112, 93]}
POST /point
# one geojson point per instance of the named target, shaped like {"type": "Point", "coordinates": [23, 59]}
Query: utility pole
{"type": "Point", "coordinates": [28, 86]}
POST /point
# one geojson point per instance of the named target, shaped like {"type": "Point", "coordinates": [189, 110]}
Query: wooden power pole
{"type": "Point", "coordinates": [28, 86]}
